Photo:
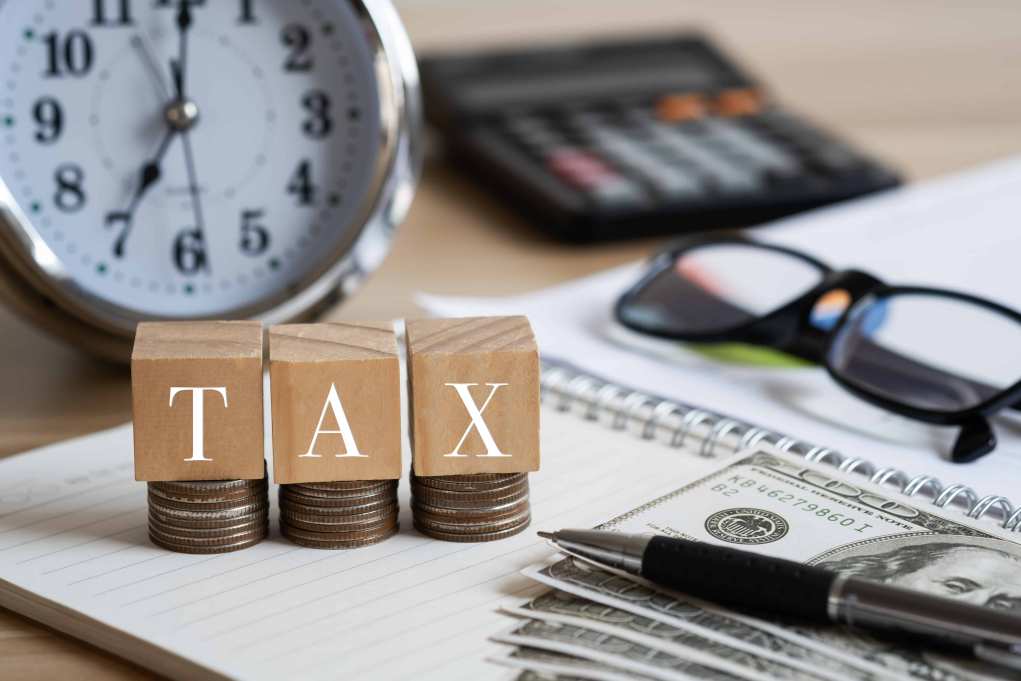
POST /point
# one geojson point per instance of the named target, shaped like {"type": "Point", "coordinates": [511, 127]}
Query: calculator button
{"type": "Point", "coordinates": [760, 152]}
{"type": "Point", "coordinates": [666, 180]}
{"type": "Point", "coordinates": [739, 102]}
{"type": "Point", "coordinates": [679, 108]}
{"type": "Point", "coordinates": [723, 174]}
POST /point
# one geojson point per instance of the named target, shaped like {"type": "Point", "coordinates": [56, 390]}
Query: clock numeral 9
{"type": "Point", "coordinates": [190, 252]}
{"type": "Point", "coordinates": [301, 184]}
{"type": "Point", "coordinates": [122, 17]}
{"type": "Point", "coordinates": [298, 39]}
{"type": "Point", "coordinates": [70, 196]}
{"type": "Point", "coordinates": [50, 117]}
{"type": "Point", "coordinates": [319, 124]}
{"type": "Point", "coordinates": [72, 55]}
{"type": "Point", "coordinates": [254, 237]}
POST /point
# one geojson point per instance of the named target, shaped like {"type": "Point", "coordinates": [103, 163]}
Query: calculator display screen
{"type": "Point", "coordinates": [523, 89]}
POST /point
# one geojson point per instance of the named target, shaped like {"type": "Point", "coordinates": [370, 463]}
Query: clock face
{"type": "Point", "coordinates": [188, 157]}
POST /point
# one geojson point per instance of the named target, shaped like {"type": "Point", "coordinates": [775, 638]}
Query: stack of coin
{"type": "Point", "coordinates": [208, 516]}
{"type": "Point", "coordinates": [471, 508]}
{"type": "Point", "coordinates": [339, 515]}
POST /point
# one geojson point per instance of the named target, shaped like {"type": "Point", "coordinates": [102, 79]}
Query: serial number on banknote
{"type": "Point", "coordinates": [737, 484]}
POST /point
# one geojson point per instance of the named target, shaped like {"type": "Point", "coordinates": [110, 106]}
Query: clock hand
{"type": "Point", "coordinates": [180, 66]}
{"type": "Point", "coordinates": [149, 175]}
{"type": "Point", "coordinates": [140, 43]}
{"type": "Point", "coordinates": [193, 188]}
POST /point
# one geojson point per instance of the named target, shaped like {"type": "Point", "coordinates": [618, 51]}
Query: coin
{"type": "Point", "coordinates": [471, 508]}
{"type": "Point", "coordinates": [206, 505]}
{"type": "Point", "coordinates": [209, 514]}
{"type": "Point", "coordinates": [334, 520]}
{"type": "Point", "coordinates": [476, 537]}
{"type": "Point", "coordinates": [205, 523]}
{"type": "Point", "coordinates": [448, 483]}
{"type": "Point", "coordinates": [345, 486]}
{"type": "Point", "coordinates": [311, 542]}
{"type": "Point", "coordinates": [230, 496]}
{"type": "Point", "coordinates": [337, 511]}
{"type": "Point", "coordinates": [355, 535]}
{"type": "Point", "coordinates": [183, 540]}
{"type": "Point", "coordinates": [225, 531]}
{"type": "Point", "coordinates": [224, 548]}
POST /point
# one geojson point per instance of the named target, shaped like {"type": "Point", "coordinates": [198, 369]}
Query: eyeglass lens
{"type": "Point", "coordinates": [718, 287]}
{"type": "Point", "coordinates": [928, 351]}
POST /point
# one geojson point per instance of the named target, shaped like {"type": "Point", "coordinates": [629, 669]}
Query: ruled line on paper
{"type": "Point", "coordinates": [208, 577]}
{"type": "Point", "coordinates": [55, 500]}
{"type": "Point", "coordinates": [88, 560]}
{"type": "Point", "coordinates": [60, 515]}
{"type": "Point", "coordinates": [91, 523]}
{"type": "Point", "coordinates": [191, 563]}
{"type": "Point", "coordinates": [102, 537]}
{"type": "Point", "coordinates": [123, 567]}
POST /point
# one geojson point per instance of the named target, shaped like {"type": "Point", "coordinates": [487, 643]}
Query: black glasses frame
{"type": "Point", "coordinates": [789, 329]}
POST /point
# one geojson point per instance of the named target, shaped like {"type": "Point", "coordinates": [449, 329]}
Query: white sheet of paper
{"type": "Point", "coordinates": [73, 531]}
{"type": "Point", "coordinates": [960, 232]}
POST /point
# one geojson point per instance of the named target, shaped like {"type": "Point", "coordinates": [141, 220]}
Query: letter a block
{"type": "Point", "coordinates": [474, 395]}
{"type": "Point", "coordinates": [197, 401]}
{"type": "Point", "coordinates": [336, 398]}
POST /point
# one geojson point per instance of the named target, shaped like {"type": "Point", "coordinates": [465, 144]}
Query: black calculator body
{"type": "Point", "coordinates": [626, 139]}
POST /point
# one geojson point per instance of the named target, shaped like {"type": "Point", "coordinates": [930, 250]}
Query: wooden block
{"type": "Point", "coordinates": [197, 401]}
{"type": "Point", "coordinates": [336, 400]}
{"type": "Point", "coordinates": [474, 395]}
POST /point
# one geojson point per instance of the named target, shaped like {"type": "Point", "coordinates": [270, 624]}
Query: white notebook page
{"type": "Point", "coordinates": [73, 532]}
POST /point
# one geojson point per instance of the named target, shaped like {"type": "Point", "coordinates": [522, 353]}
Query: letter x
{"type": "Point", "coordinates": [477, 422]}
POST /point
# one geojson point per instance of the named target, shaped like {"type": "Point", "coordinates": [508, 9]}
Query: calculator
{"type": "Point", "coordinates": [606, 141]}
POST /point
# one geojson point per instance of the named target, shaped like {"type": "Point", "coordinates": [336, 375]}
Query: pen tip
{"type": "Point", "coordinates": [546, 535]}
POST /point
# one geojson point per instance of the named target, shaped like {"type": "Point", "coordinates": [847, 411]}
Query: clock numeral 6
{"type": "Point", "coordinates": [70, 196]}
{"type": "Point", "coordinates": [50, 117]}
{"type": "Point", "coordinates": [190, 252]}
{"type": "Point", "coordinates": [254, 236]}
{"type": "Point", "coordinates": [71, 54]}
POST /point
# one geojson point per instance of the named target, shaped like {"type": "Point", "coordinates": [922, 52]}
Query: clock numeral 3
{"type": "Point", "coordinates": [298, 39]}
{"type": "Point", "coordinates": [50, 117]}
{"type": "Point", "coordinates": [73, 54]}
{"type": "Point", "coordinates": [301, 184]}
{"type": "Point", "coordinates": [254, 236]}
{"type": "Point", "coordinates": [190, 252]}
{"type": "Point", "coordinates": [121, 17]}
{"type": "Point", "coordinates": [70, 195]}
{"type": "Point", "coordinates": [320, 123]}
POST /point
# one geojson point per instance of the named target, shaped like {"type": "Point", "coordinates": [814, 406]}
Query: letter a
{"type": "Point", "coordinates": [198, 417]}
{"type": "Point", "coordinates": [350, 446]}
{"type": "Point", "coordinates": [475, 412]}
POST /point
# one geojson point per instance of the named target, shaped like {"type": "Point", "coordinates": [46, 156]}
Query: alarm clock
{"type": "Point", "coordinates": [197, 159]}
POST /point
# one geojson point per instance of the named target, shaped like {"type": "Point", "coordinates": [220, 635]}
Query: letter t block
{"type": "Point", "coordinates": [197, 401]}
{"type": "Point", "coordinates": [474, 395]}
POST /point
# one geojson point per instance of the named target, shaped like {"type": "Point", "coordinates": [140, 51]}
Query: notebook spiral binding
{"type": "Point", "coordinates": [713, 435]}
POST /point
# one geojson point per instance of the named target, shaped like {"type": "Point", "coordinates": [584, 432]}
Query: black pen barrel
{"type": "Point", "coordinates": [738, 578]}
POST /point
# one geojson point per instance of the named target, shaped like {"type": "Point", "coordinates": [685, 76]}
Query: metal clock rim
{"type": "Point", "coordinates": [398, 167]}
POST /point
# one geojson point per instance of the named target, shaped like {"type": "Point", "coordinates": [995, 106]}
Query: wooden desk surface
{"type": "Point", "coordinates": [929, 86]}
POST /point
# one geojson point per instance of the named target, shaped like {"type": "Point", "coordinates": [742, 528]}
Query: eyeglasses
{"type": "Point", "coordinates": [933, 355]}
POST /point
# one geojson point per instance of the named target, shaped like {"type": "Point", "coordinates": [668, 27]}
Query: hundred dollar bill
{"type": "Point", "coordinates": [785, 507]}
{"type": "Point", "coordinates": [698, 643]}
{"type": "Point", "coordinates": [611, 650]}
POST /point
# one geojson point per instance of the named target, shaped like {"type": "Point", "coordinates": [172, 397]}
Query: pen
{"type": "Point", "coordinates": [745, 580]}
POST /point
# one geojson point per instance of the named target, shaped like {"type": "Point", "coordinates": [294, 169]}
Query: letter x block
{"type": "Point", "coordinates": [474, 395]}
{"type": "Point", "coordinates": [336, 399]}
{"type": "Point", "coordinates": [197, 401]}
